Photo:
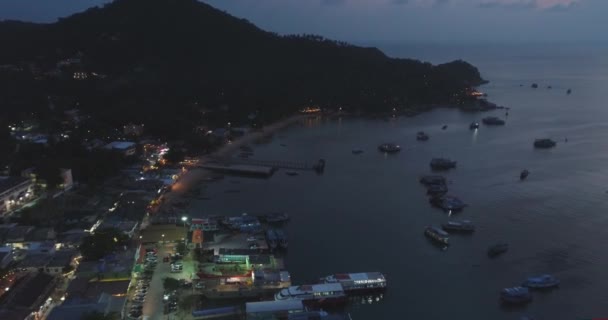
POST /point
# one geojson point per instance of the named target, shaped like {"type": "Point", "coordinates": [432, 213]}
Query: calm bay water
{"type": "Point", "coordinates": [368, 212]}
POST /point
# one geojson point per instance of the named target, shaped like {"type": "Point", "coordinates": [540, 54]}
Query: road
{"type": "Point", "coordinates": [154, 306]}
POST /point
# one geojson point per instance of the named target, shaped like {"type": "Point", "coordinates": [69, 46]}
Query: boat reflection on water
{"type": "Point", "coordinates": [366, 299]}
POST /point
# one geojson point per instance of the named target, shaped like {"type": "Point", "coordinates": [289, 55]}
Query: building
{"type": "Point", "coordinates": [6, 257]}
{"type": "Point", "coordinates": [59, 263]}
{"type": "Point", "coordinates": [68, 181]}
{"type": "Point", "coordinates": [104, 304]}
{"type": "Point", "coordinates": [30, 293]}
{"type": "Point", "coordinates": [14, 191]}
{"type": "Point", "coordinates": [127, 148]}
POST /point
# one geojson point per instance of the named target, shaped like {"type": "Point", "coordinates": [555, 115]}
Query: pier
{"type": "Point", "coordinates": [318, 167]}
{"type": "Point", "coordinates": [241, 169]}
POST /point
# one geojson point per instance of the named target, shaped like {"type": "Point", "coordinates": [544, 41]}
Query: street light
{"type": "Point", "coordinates": [163, 235]}
{"type": "Point", "coordinates": [184, 219]}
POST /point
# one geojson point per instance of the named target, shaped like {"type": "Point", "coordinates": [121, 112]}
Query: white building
{"type": "Point", "coordinates": [14, 191]}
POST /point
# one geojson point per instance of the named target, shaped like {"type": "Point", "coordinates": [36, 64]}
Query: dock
{"type": "Point", "coordinates": [239, 169]}
{"type": "Point", "coordinates": [319, 166]}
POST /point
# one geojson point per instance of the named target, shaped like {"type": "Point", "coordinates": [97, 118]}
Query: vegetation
{"type": "Point", "coordinates": [102, 243]}
{"type": "Point", "coordinates": [171, 284]}
{"type": "Point", "coordinates": [177, 64]}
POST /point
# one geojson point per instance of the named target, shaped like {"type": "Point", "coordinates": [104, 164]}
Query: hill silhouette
{"type": "Point", "coordinates": [169, 58]}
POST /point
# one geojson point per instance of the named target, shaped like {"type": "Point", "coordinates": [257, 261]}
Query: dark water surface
{"type": "Point", "coordinates": [368, 212]}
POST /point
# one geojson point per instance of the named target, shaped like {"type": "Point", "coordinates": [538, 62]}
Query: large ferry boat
{"type": "Point", "coordinates": [358, 282]}
{"type": "Point", "coordinates": [315, 294]}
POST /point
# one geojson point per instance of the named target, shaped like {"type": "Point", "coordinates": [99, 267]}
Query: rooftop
{"type": "Point", "coordinates": [120, 145]}
{"type": "Point", "coordinates": [7, 183]}
{"type": "Point", "coordinates": [274, 306]}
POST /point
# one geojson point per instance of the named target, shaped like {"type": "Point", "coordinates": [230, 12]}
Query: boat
{"type": "Point", "coordinates": [543, 281]}
{"type": "Point", "coordinates": [436, 189]}
{"type": "Point", "coordinates": [534, 86]}
{"type": "Point", "coordinates": [569, 91]}
{"type": "Point", "coordinates": [276, 217]}
{"type": "Point", "coordinates": [389, 148]}
{"type": "Point", "coordinates": [437, 235]}
{"type": "Point", "coordinates": [524, 174]}
{"type": "Point", "coordinates": [442, 164]}
{"type": "Point", "coordinates": [358, 282]}
{"type": "Point", "coordinates": [432, 180]}
{"type": "Point", "coordinates": [291, 173]}
{"type": "Point", "coordinates": [515, 295]}
{"type": "Point", "coordinates": [271, 238]}
{"type": "Point", "coordinates": [544, 143]}
{"type": "Point", "coordinates": [357, 151]}
{"type": "Point", "coordinates": [497, 249]}
{"type": "Point", "coordinates": [421, 136]}
{"type": "Point", "coordinates": [246, 149]}
{"type": "Point", "coordinates": [495, 121]}
{"type": "Point", "coordinates": [448, 203]}
{"type": "Point", "coordinates": [459, 226]}
{"type": "Point", "coordinates": [474, 125]}
{"type": "Point", "coordinates": [445, 126]}
{"type": "Point", "coordinates": [282, 238]}
{"type": "Point", "coordinates": [315, 294]}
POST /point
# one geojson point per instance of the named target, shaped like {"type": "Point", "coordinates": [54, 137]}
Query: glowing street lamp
{"type": "Point", "coordinates": [184, 219]}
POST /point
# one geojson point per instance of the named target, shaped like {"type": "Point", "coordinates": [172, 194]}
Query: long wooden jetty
{"type": "Point", "coordinates": [319, 166]}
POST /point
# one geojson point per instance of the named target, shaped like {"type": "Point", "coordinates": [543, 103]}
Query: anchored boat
{"type": "Point", "coordinates": [517, 295]}
{"type": "Point", "coordinates": [437, 235]}
{"type": "Point", "coordinates": [389, 148]}
{"type": "Point", "coordinates": [543, 281]}
{"type": "Point", "coordinates": [459, 226]}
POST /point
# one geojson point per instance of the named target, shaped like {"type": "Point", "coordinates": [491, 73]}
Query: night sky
{"type": "Point", "coordinates": [420, 21]}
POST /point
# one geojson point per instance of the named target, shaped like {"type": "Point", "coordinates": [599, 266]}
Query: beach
{"type": "Point", "coordinates": [195, 176]}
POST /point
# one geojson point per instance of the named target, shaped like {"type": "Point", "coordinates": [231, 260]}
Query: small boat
{"type": "Point", "coordinates": [389, 148]}
{"type": "Point", "coordinates": [246, 149]}
{"type": "Point", "coordinates": [357, 151]}
{"type": "Point", "coordinates": [283, 145]}
{"type": "Point", "coordinates": [569, 91]}
{"type": "Point", "coordinates": [493, 121]}
{"type": "Point", "coordinates": [442, 164]}
{"type": "Point", "coordinates": [291, 173]}
{"type": "Point", "coordinates": [524, 174]}
{"type": "Point", "coordinates": [282, 238]}
{"type": "Point", "coordinates": [534, 86]}
{"type": "Point", "coordinates": [515, 295]}
{"type": "Point", "coordinates": [544, 143]}
{"type": "Point", "coordinates": [445, 126]}
{"type": "Point", "coordinates": [549, 87]}
{"type": "Point", "coordinates": [271, 238]}
{"type": "Point", "coordinates": [448, 203]}
{"type": "Point", "coordinates": [497, 249]}
{"type": "Point", "coordinates": [436, 189]}
{"type": "Point", "coordinates": [437, 235]}
{"type": "Point", "coordinates": [459, 226]}
{"type": "Point", "coordinates": [276, 217]}
{"type": "Point", "coordinates": [421, 136]}
{"type": "Point", "coordinates": [474, 125]}
{"type": "Point", "coordinates": [543, 281]}
{"type": "Point", "coordinates": [432, 180]}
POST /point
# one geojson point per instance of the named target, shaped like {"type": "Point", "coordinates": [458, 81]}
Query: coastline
{"type": "Point", "coordinates": [195, 176]}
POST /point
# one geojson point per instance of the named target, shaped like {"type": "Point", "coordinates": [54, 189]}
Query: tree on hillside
{"type": "Point", "coordinates": [174, 155]}
{"type": "Point", "coordinates": [50, 173]}
{"type": "Point", "coordinates": [102, 243]}
{"type": "Point", "coordinates": [170, 284]}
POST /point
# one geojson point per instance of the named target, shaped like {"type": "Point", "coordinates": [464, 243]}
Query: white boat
{"type": "Point", "coordinates": [315, 294]}
{"type": "Point", "coordinates": [358, 282]}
